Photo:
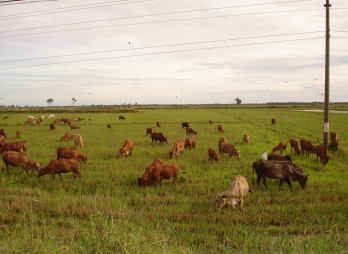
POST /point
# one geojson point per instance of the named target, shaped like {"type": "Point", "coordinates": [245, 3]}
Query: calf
{"type": "Point", "coordinates": [220, 129]}
{"type": "Point", "coordinates": [152, 173]}
{"type": "Point", "coordinates": [64, 152]}
{"type": "Point", "coordinates": [307, 147]}
{"type": "Point", "coordinates": [28, 122]}
{"type": "Point", "coordinates": [67, 136]}
{"type": "Point", "coordinates": [281, 147]}
{"type": "Point", "coordinates": [273, 121]}
{"type": "Point", "coordinates": [213, 155]}
{"type": "Point", "coordinates": [246, 138]}
{"type": "Point", "coordinates": [230, 149]}
{"type": "Point", "coordinates": [190, 142]}
{"type": "Point", "coordinates": [158, 124]}
{"type": "Point", "coordinates": [190, 131]}
{"type": "Point", "coordinates": [127, 148]}
{"type": "Point", "coordinates": [149, 131]}
{"type": "Point", "coordinates": [52, 127]}
{"type": "Point", "coordinates": [2, 132]}
{"type": "Point", "coordinates": [121, 118]}
{"type": "Point", "coordinates": [294, 144]}
{"type": "Point", "coordinates": [185, 125]}
{"type": "Point", "coordinates": [166, 172]}
{"type": "Point", "coordinates": [61, 166]}
{"type": "Point", "coordinates": [158, 136]}
{"type": "Point", "coordinates": [334, 139]}
{"type": "Point", "coordinates": [322, 152]}
{"type": "Point", "coordinates": [6, 117]}
{"type": "Point", "coordinates": [17, 146]}
{"type": "Point", "coordinates": [178, 148]}
{"type": "Point", "coordinates": [108, 126]}
{"type": "Point", "coordinates": [22, 160]}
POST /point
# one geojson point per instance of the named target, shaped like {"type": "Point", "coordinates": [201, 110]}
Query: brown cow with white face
{"type": "Point", "coordinates": [152, 174]}
{"type": "Point", "coordinates": [213, 155]}
{"type": "Point", "coordinates": [64, 152]}
{"type": "Point", "coordinates": [246, 138]}
{"type": "Point", "coordinates": [190, 142]}
{"type": "Point", "coordinates": [22, 160]}
{"type": "Point", "coordinates": [178, 148]}
{"type": "Point", "coordinates": [61, 166]}
{"type": "Point", "coordinates": [334, 139]}
{"type": "Point", "coordinates": [127, 148]}
{"type": "Point", "coordinates": [281, 147]}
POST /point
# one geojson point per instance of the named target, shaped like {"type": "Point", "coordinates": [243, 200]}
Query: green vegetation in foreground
{"type": "Point", "coordinates": [107, 212]}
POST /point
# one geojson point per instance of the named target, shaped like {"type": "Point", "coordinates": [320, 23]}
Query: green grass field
{"type": "Point", "coordinates": [106, 212]}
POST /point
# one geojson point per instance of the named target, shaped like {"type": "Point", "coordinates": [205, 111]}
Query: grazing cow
{"type": "Point", "coordinates": [74, 119]}
{"type": "Point", "coordinates": [29, 121]}
{"type": "Point", "coordinates": [72, 127]}
{"type": "Point", "coordinates": [108, 126]}
{"type": "Point", "coordinates": [184, 124]}
{"type": "Point", "coordinates": [294, 144]}
{"type": "Point", "coordinates": [167, 172]}
{"type": "Point", "coordinates": [66, 120]}
{"type": "Point", "coordinates": [281, 147]}
{"type": "Point", "coordinates": [334, 139]}
{"type": "Point", "coordinates": [283, 170]}
{"type": "Point", "coordinates": [278, 157]}
{"type": "Point", "coordinates": [51, 116]}
{"type": "Point", "coordinates": [190, 142]}
{"type": "Point", "coordinates": [6, 117]}
{"type": "Point", "coordinates": [78, 140]}
{"type": "Point", "coordinates": [2, 140]}
{"type": "Point", "coordinates": [307, 147]}
{"type": "Point", "coordinates": [64, 152]}
{"type": "Point", "coordinates": [37, 121]}
{"type": "Point", "coordinates": [273, 121]}
{"type": "Point", "coordinates": [230, 149]}
{"type": "Point", "coordinates": [220, 129]}
{"type": "Point", "coordinates": [127, 148]}
{"type": "Point", "coordinates": [149, 131]}
{"type": "Point", "coordinates": [323, 153]}
{"type": "Point", "coordinates": [31, 117]}
{"type": "Point", "coordinates": [190, 131]}
{"type": "Point", "coordinates": [90, 119]}
{"type": "Point", "coordinates": [239, 188]}
{"type": "Point", "coordinates": [52, 126]}
{"type": "Point", "coordinates": [67, 136]}
{"type": "Point", "coordinates": [152, 173]}
{"type": "Point", "coordinates": [158, 136]}
{"type": "Point", "coordinates": [246, 138]}
{"type": "Point", "coordinates": [2, 132]}
{"type": "Point", "coordinates": [178, 148]}
{"type": "Point", "coordinates": [121, 118]}
{"type": "Point", "coordinates": [18, 133]}
{"type": "Point", "coordinates": [158, 124]}
{"type": "Point", "coordinates": [80, 119]}
{"type": "Point", "coordinates": [22, 160]}
{"type": "Point", "coordinates": [17, 146]}
{"type": "Point", "coordinates": [213, 155]}
{"type": "Point", "coordinates": [210, 121]}
{"type": "Point", "coordinates": [40, 119]}
{"type": "Point", "coordinates": [61, 166]}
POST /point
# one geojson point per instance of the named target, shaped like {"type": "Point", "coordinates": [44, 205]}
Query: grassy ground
{"type": "Point", "coordinates": [107, 212]}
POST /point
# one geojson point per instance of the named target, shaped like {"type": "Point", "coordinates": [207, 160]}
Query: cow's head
{"type": "Point", "coordinates": [166, 139]}
{"type": "Point", "coordinates": [217, 158]}
{"type": "Point", "coordinates": [85, 158]}
{"type": "Point", "coordinates": [195, 132]}
{"type": "Point", "coordinates": [221, 201]}
{"type": "Point", "coordinates": [303, 181]}
{"type": "Point", "coordinates": [237, 153]}
{"type": "Point", "coordinates": [171, 154]}
{"type": "Point", "coordinates": [63, 138]}
{"type": "Point", "coordinates": [325, 159]}
{"type": "Point", "coordinates": [34, 165]}
{"type": "Point", "coordinates": [121, 152]}
{"type": "Point", "coordinates": [43, 171]}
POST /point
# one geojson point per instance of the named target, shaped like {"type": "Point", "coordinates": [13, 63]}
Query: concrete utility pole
{"type": "Point", "coordinates": [327, 75]}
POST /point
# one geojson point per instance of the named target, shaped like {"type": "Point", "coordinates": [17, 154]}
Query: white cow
{"type": "Point", "coordinates": [51, 116]}
{"type": "Point", "coordinates": [31, 117]}
{"type": "Point", "coordinates": [239, 188]}
{"type": "Point", "coordinates": [42, 117]}
{"type": "Point", "coordinates": [78, 140]}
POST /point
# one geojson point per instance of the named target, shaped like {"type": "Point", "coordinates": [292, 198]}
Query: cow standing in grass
{"type": "Point", "coordinates": [61, 166]}
{"type": "Point", "coordinates": [22, 160]}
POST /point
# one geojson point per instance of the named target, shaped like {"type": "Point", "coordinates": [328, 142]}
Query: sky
{"type": "Point", "coordinates": [170, 52]}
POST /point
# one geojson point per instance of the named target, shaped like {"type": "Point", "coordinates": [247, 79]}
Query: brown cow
{"type": "Point", "coordinates": [190, 131]}
{"type": "Point", "coordinates": [2, 140]}
{"type": "Point", "coordinates": [246, 138]}
{"type": "Point", "coordinates": [178, 148]}
{"type": "Point", "coordinates": [213, 155]}
{"type": "Point", "coordinates": [108, 126]}
{"type": "Point", "coordinates": [158, 136]}
{"type": "Point", "coordinates": [80, 119]}
{"type": "Point", "coordinates": [273, 121]}
{"type": "Point", "coordinates": [40, 119]}
{"type": "Point", "coordinates": [184, 124]}
{"type": "Point", "coordinates": [149, 131]}
{"type": "Point", "coordinates": [152, 173]}
{"type": "Point", "coordinates": [121, 118]}
{"type": "Point", "coordinates": [127, 148]}
{"type": "Point", "coordinates": [323, 153]}
{"type": "Point", "coordinates": [66, 120]}
{"type": "Point", "coordinates": [294, 144]}
{"type": "Point", "coordinates": [158, 124]}
{"type": "Point", "coordinates": [307, 147]}
{"type": "Point", "coordinates": [61, 166]}
{"type": "Point", "coordinates": [17, 146]}
{"type": "Point", "coordinates": [190, 142]}
{"type": "Point", "coordinates": [4, 149]}
{"type": "Point", "coordinates": [281, 147]}
{"type": "Point", "coordinates": [6, 117]}
{"type": "Point", "coordinates": [29, 121]}
{"type": "Point", "coordinates": [67, 136]}
{"type": "Point", "coordinates": [90, 119]}
{"type": "Point", "coordinates": [210, 121]}
{"type": "Point", "coordinates": [2, 132]}
{"type": "Point", "coordinates": [22, 160]}
{"type": "Point", "coordinates": [78, 140]}
{"type": "Point", "coordinates": [64, 152]}
{"type": "Point", "coordinates": [334, 139]}
{"type": "Point", "coordinates": [167, 172]}
{"type": "Point", "coordinates": [230, 149]}
{"type": "Point", "coordinates": [72, 127]}
{"type": "Point", "coordinates": [58, 120]}
{"type": "Point", "coordinates": [52, 126]}
{"type": "Point", "coordinates": [220, 129]}
{"type": "Point", "coordinates": [282, 170]}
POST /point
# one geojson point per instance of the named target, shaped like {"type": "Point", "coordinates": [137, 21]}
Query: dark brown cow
{"type": "Point", "coordinates": [58, 120]}
{"type": "Point", "coordinates": [64, 152]}
{"type": "Point", "coordinates": [190, 142]}
{"type": "Point", "coordinates": [158, 124]}
{"type": "Point", "coordinates": [281, 147]}
{"type": "Point", "coordinates": [185, 124]}
{"type": "Point", "coordinates": [167, 172]}
{"type": "Point", "coordinates": [80, 119]}
{"type": "Point", "coordinates": [6, 117]}
{"type": "Point", "coordinates": [108, 126]}
{"type": "Point", "coordinates": [283, 170]}
{"type": "Point", "coordinates": [334, 139]}
{"type": "Point", "coordinates": [52, 126]}
{"type": "Point", "coordinates": [220, 129]}
{"type": "Point", "coordinates": [278, 157]}
{"type": "Point", "coordinates": [18, 134]}
{"type": "Point", "coordinates": [190, 131]}
{"type": "Point", "coordinates": [213, 155]}
{"type": "Point", "coordinates": [178, 148]}
{"type": "Point", "coordinates": [210, 121]}
{"type": "Point", "coordinates": [90, 119]}
{"type": "Point", "coordinates": [152, 173]}
{"type": "Point", "coordinates": [2, 132]}
{"type": "Point", "coordinates": [273, 121]}
{"type": "Point", "coordinates": [66, 120]}
{"type": "Point", "coordinates": [307, 147]}
{"type": "Point", "coordinates": [246, 138]}
{"type": "Point", "coordinates": [230, 149]}
{"type": "Point", "coordinates": [322, 152]}
{"type": "Point", "coordinates": [127, 148]}
{"type": "Point", "coordinates": [158, 136]}
{"type": "Point", "coordinates": [17, 146]}
{"type": "Point", "coordinates": [22, 160]}
{"type": "Point", "coordinates": [121, 118]}
{"type": "Point", "coordinates": [2, 140]}
{"type": "Point", "coordinates": [40, 119]}
{"type": "Point", "coordinates": [61, 166]}
{"type": "Point", "coordinates": [67, 136]}
{"type": "Point", "coordinates": [72, 127]}
{"type": "Point", "coordinates": [294, 144]}
{"type": "Point", "coordinates": [149, 131]}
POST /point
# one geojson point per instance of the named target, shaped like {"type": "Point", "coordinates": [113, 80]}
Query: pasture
{"type": "Point", "coordinates": [106, 212]}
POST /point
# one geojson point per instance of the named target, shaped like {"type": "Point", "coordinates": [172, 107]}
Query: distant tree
{"type": "Point", "coordinates": [50, 101]}
{"type": "Point", "coordinates": [238, 101]}
{"type": "Point", "coordinates": [73, 100]}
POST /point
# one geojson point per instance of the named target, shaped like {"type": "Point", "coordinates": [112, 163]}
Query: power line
{"type": "Point", "coordinates": [154, 22]}
{"type": "Point", "coordinates": [27, 2]}
{"type": "Point", "coordinates": [157, 53]}
{"type": "Point", "coordinates": [158, 46]}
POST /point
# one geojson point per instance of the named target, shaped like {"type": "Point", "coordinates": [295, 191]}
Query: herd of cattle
{"type": "Point", "coordinates": [69, 159]}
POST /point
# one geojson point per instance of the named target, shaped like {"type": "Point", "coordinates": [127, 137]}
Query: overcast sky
{"type": "Point", "coordinates": [115, 52]}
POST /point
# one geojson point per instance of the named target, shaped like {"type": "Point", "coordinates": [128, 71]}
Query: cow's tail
{"type": "Point", "coordinates": [319, 141]}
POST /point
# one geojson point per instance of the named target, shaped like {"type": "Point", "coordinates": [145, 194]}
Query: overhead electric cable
{"type": "Point", "coordinates": [154, 22]}
{"type": "Point", "coordinates": [157, 53]}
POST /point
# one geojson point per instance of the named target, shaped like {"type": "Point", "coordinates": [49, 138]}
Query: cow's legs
{"type": "Point", "coordinates": [289, 183]}
{"type": "Point", "coordinates": [264, 181]}
{"type": "Point", "coordinates": [60, 176]}
{"type": "Point", "coordinates": [241, 204]}
{"type": "Point", "coordinates": [258, 180]}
